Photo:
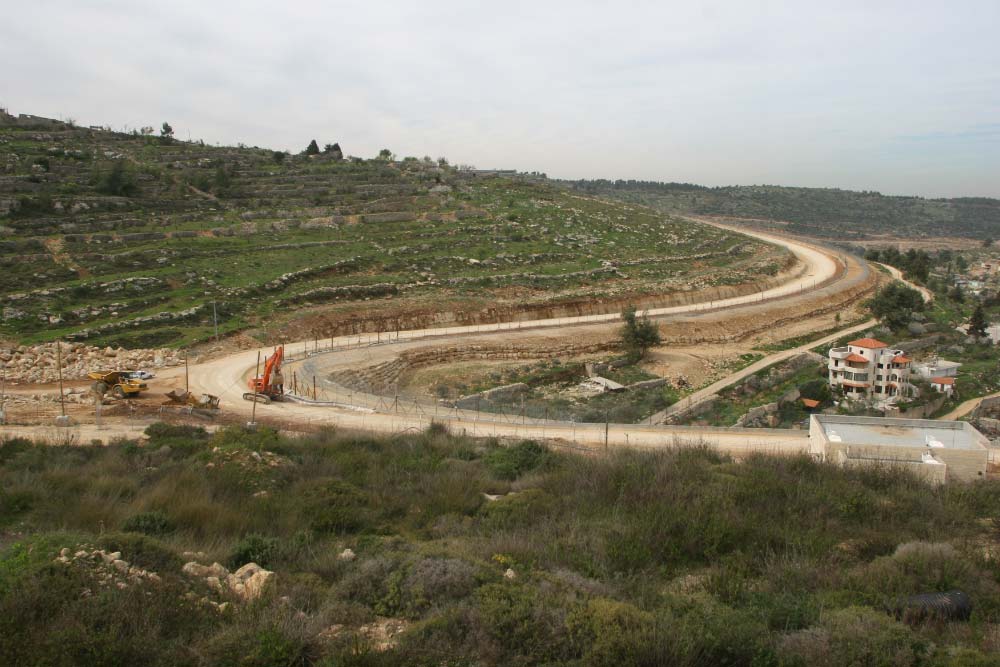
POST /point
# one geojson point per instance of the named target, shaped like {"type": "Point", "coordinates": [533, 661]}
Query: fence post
{"type": "Point", "coordinates": [607, 420]}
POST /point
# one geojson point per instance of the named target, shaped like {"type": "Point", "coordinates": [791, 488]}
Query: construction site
{"type": "Point", "coordinates": [360, 381]}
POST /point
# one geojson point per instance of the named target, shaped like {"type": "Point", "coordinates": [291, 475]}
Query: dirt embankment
{"type": "Point", "coordinates": [386, 375]}
{"type": "Point", "coordinates": [766, 323]}
{"type": "Point", "coordinates": [407, 314]}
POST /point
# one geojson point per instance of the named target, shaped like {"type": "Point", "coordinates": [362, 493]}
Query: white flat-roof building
{"type": "Point", "coordinates": [940, 451]}
{"type": "Point", "coordinates": [936, 368]}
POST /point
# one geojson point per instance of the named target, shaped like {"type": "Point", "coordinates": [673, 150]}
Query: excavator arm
{"type": "Point", "coordinates": [272, 364]}
{"type": "Point", "coordinates": [260, 387]}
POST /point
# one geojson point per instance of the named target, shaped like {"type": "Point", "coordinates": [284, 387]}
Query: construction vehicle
{"type": "Point", "coordinates": [271, 385]}
{"type": "Point", "coordinates": [186, 398]}
{"type": "Point", "coordinates": [117, 382]}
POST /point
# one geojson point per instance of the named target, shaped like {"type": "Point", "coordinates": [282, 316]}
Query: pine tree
{"type": "Point", "coordinates": [977, 323]}
{"type": "Point", "coordinates": [312, 148]}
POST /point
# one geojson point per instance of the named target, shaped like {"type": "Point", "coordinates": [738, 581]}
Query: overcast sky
{"type": "Point", "coordinates": [900, 97]}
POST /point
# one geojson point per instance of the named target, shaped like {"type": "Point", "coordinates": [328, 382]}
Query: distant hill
{"type": "Point", "coordinates": [824, 212]}
{"type": "Point", "coordinates": [140, 240]}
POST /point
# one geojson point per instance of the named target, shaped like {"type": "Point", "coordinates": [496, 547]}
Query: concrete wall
{"type": "Point", "coordinates": [846, 454]}
{"type": "Point", "coordinates": [962, 465]}
{"type": "Point", "coordinates": [966, 465]}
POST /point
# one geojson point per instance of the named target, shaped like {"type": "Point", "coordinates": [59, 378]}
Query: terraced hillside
{"type": "Point", "coordinates": [819, 212]}
{"type": "Point", "coordinates": [140, 240]}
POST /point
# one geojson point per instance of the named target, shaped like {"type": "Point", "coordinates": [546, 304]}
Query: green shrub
{"type": "Point", "coordinates": [511, 462]}
{"type": "Point", "coordinates": [11, 447]}
{"type": "Point", "coordinates": [142, 551]}
{"type": "Point", "coordinates": [13, 504]}
{"type": "Point", "coordinates": [435, 582]}
{"type": "Point", "coordinates": [334, 507]}
{"type": "Point", "coordinates": [524, 623]}
{"type": "Point", "coordinates": [164, 431]}
{"type": "Point", "coordinates": [521, 508]}
{"type": "Point", "coordinates": [255, 549]}
{"type": "Point", "coordinates": [149, 523]}
{"type": "Point", "coordinates": [377, 583]}
{"type": "Point", "coordinates": [853, 636]}
{"type": "Point", "coordinates": [608, 633]}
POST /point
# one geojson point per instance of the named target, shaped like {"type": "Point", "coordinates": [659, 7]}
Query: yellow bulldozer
{"type": "Point", "coordinates": [117, 382]}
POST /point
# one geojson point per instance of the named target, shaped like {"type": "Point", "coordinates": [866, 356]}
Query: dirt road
{"type": "Point", "coordinates": [226, 377]}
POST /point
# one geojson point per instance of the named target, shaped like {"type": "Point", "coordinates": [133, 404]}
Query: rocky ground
{"type": "Point", "coordinates": [38, 364]}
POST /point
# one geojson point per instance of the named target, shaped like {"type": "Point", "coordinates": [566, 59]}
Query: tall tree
{"type": "Point", "coordinates": [312, 148]}
{"type": "Point", "coordinates": [894, 305]}
{"type": "Point", "coordinates": [638, 334]}
{"type": "Point", "coordinates": [978, 323]}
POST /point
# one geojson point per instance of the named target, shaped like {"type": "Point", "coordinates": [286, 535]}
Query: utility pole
{"type": "Point", "coordinates": [187, 388]}
{"type": "Point", "coordinates": [253, 411]}
{"type": "Point", "coordinates": [3, 396]}
{"type": "Point", "coordinates": [215, 320]}
{"type": "Point", "coordinates": [62, 420]}
{"type": "Point", "coordinates": [607, 420]}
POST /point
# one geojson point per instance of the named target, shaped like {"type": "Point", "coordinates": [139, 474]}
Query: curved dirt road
{"type": "Point", "coordinates": [226, 377]}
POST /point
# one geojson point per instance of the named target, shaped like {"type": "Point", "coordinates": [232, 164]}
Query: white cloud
{"type": "Point", "coordinates": [710, 92]}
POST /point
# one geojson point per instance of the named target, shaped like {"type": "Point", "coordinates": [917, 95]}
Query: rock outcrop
{"type": "Point", "coordinates": [39, 363]}
{"type": "Point", "coordinates": [247, 583]}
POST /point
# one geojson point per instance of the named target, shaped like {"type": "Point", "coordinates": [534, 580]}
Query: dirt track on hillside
{"type": "Point", "coordinates": [827, 279]}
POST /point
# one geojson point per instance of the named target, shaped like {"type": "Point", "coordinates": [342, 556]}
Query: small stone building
{"type": "Point", "coordinates": [939, 451]}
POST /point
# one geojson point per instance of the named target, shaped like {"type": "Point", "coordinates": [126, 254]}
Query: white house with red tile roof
{"type": "Point", "coordinates": [943, 385]}
{"type": "Point", "coordinates": [869, 368]}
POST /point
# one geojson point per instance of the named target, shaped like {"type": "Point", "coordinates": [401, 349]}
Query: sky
{"type": "Point", "coordinates": [899, 97]}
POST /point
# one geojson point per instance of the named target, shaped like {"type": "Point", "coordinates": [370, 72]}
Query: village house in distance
{"type": "Point", "coordinates": [869, 369]}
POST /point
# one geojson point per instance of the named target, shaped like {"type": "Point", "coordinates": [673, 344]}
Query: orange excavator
{"type": "Point", "coordinates": [270, 386]}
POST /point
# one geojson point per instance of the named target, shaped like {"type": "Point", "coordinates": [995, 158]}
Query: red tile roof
{"type": "Point", "coordinates": [870, 343]}
{"type": "Point", "coordinates": [855, 357]}
{"type": "Point", "coordinates": [810, 403]}
{"type": "Point", "coordinates": [942, 381]}
{"type": "Point", "coordinates": [900, 359]}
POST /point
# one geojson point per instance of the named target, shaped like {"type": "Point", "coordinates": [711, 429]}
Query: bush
{"type": "Point", "coordinates": [13, 504]}
{"type": "Point", "coordinates": [511, 462]}
{"type": "Point", "coordinates": [436, 581]}
{"type": "Point", "coordinates": [265, 638]}
{"type": "Point", "coordinates": [853, 636]}
{"type": "Point", "coordinates": [255, 549]}
{"type": "Point", "coordinates": [149, 523]}
{"type": "Point", "coordinates": [142, 551]}
{"type": "Point", "coordinates": [608, 633]}
{"type": "Point", "coordinates": [334, 507]}
{"type": "Point", "coordinates": [523, 623]}
{"type": "Point", "coordinates": [164, 431]}
{"type": "Point", "coordinates": [521, 508]}
{"type": "Point", "coordinates": [11, 447]}
{"type": "Point", "coordinates": [377, 583]}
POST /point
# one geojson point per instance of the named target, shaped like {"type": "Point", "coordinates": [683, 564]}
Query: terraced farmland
{"type": "Point", "coordinates": [130, 239]}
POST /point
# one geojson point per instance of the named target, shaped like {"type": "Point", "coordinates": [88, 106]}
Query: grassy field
{"type": "Point", "coordinates": [125, 239]}
{"type": "Point", "coordinates": [671, 558]}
